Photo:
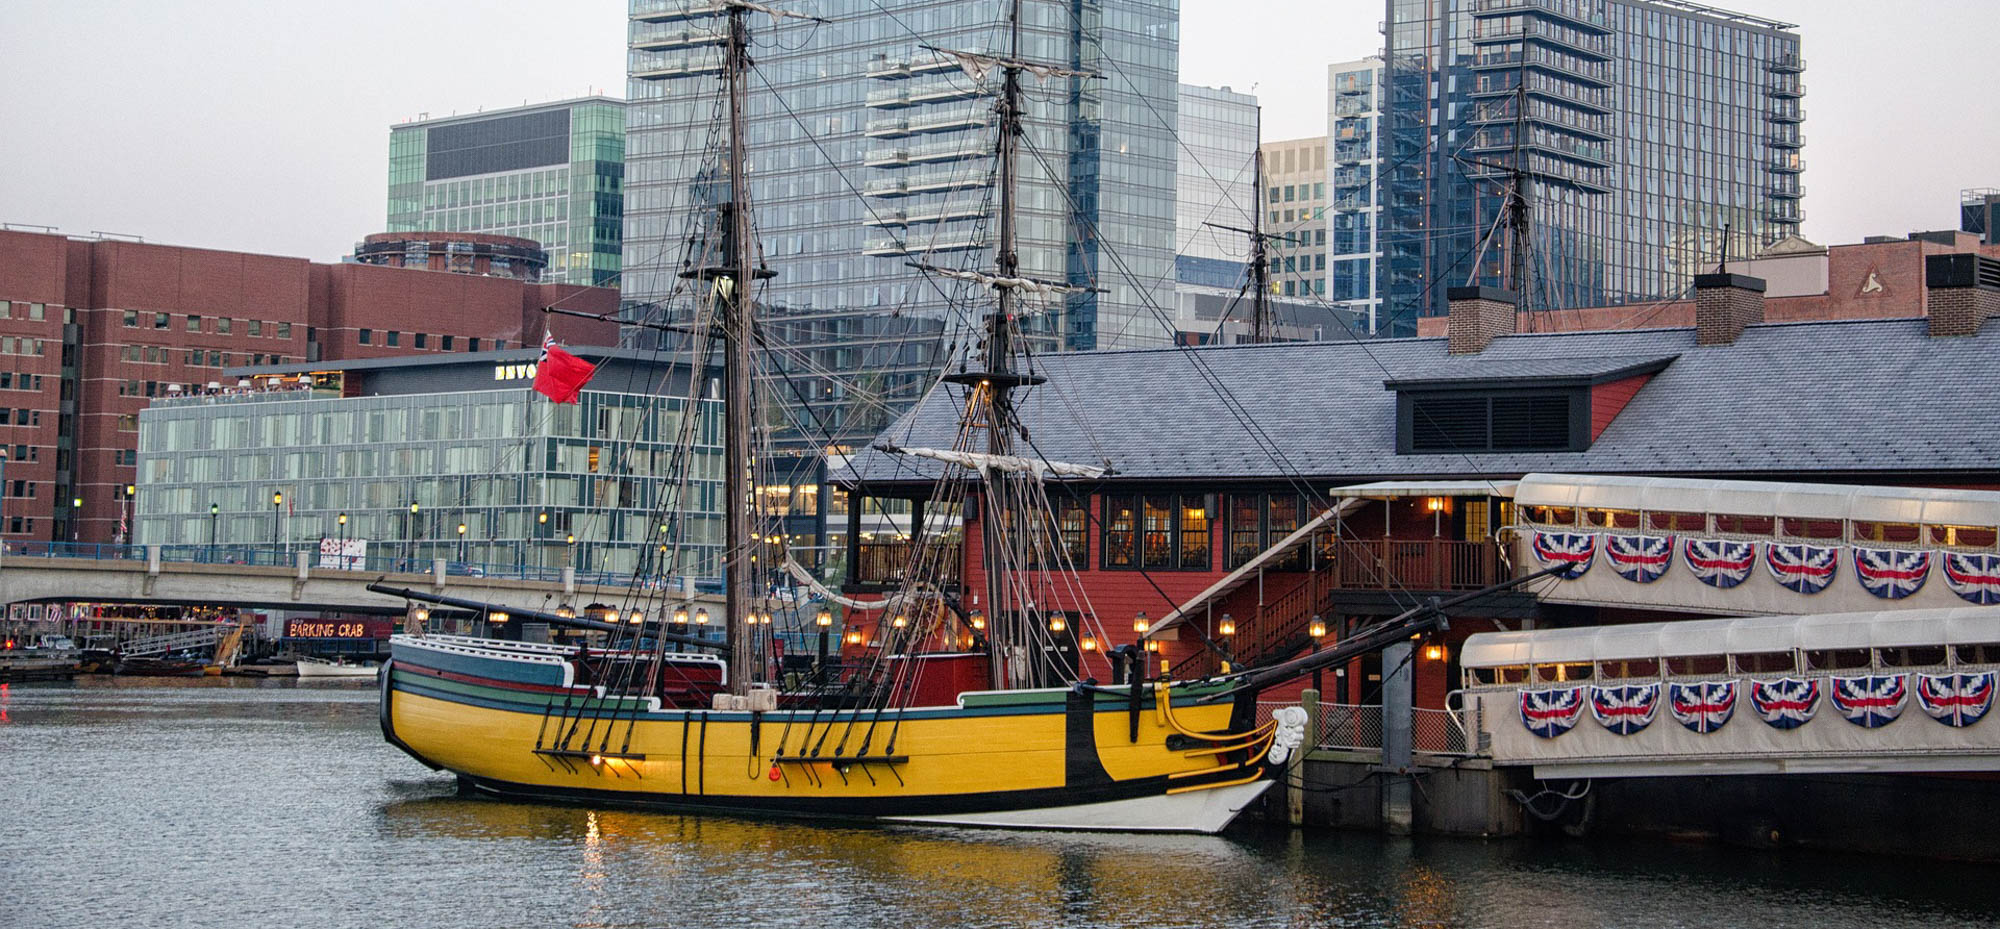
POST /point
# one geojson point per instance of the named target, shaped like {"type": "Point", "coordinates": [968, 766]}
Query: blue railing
{"type": "Point", "coordinates": [286, 557]}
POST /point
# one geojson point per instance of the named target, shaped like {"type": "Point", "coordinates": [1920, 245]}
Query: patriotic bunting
{"type": "Point", "coordinates": [1702, 707]}
{"type": "Point", "coordinates": [1786, 703]}
{"type": "Point", "coordinates": [1627, 709]}
{"type": "Point", "coordinates": [1890, 573]}
{"type": "Point", "coordinates": [1976, 578]}
{"type": "Point", "coordinates": [1641, 559]}
{"type": "Point", "coordinates": [1870, 701]}
{"type": "Point", "coordinates": [1807, 569]}
{"type": "Point", "coordinates": [1719, 563]}
{"type": "Point", "coordinates": [1956, 699]}
{"type": "Point", "coordinates": [1574, 549]}
{"type": "Point", "coordinates": [1550, 713]}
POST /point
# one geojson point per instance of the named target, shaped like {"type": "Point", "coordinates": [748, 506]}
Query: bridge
{"type": "Point", "coordinates": [300, 580]}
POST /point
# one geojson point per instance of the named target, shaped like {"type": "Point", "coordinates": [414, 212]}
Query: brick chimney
{"type": "Point", "coordinates": [1961, 292]}
{"type": "Point", "coordinates": [1724, 304]}
{"type": "Point", "coordinates": [1478, 316]}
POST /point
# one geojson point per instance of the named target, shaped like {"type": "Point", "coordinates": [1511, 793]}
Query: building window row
{"type": "Point", "coordinates": [25, 452]}
{"type": "Point", "coordinates": [142, 354]}
{"type": "Point", "coordinates": [19, 310]}
{"type": "Point", "coordinates": [1168, 531]}
{"type": "Point", "coordinates": [391, 338]}
{"type": "Point", "coordinates": [19, 525]}
{"type": "Point", "coordinates": [220, 325]}
{"type": "Point", "coordinates": [21, 417]}
{"type": "Point", "coordinates": [11, 381]}
{"type": "Point", "coordinates": [11, 345]}
{"type": "Point", "coordinates": [24, 489]}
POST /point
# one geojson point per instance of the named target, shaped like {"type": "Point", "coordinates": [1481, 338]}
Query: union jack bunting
{"type": "Point", "coordinates": [1870, 701]}
{"type": "Point", "coordinates": [1956, 699]}
{"type": "Point", "coordinates": [1550, 713]}
{"type": "Point", "coordinates": [1804, 568]}
{"type": "Point", "coordinates": [1786, 703]}
{"type": "Point", "coordinates": [1891, 574]}
{"type": "Point", "coordinates": [1626, 709]}
{"type": "Point", "coordinates": [1702, 707]}
{"type": "Point", "coordinates": [1572, 548]}
{"type": "Point", "coordinates": [1639, 558]}
{"type": "Point", "coordinates": [1719, 563]}
{"type": "Point", "coordinates": [1976, 578]}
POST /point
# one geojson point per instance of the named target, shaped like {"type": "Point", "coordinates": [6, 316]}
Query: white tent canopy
{"type": "Point", "coordinates": [1738, 636]}
{"type": "Point", "coordinates": [1762, 498]}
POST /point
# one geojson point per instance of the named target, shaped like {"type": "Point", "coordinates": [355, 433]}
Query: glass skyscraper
{"type": "Point", "coordinates": [1650, 128]}
{"type": "Point", "coordinates": [869, 152]}
{"type": "Point", "coordinates": [1353, 124]}
{"type": "Point", "coordinates": [1214, 183]}
{"type": "Point", "coordinates": [552, 172]}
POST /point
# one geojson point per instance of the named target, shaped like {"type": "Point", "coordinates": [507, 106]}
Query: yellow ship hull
{"type": "Point", "coordinates": [506, 718]}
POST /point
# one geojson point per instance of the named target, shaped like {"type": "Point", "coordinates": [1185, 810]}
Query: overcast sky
{"type": "Point", "coordinates": [263, 125]}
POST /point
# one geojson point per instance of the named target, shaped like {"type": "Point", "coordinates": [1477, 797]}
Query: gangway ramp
{"type": "Point", "coordinates": [174, 642]}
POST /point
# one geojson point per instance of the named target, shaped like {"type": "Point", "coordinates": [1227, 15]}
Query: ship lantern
{"type": "Point", "coordinates": [900, 621]}
{"type": "Point", "coordinates": [1433, 652]}
{"type": "Point", "coordinates": [420, 614]}
{"type": "Point", "coordinates": [1056, 624]}
{"type": "Point", "coordinates": [635, 618]}
{"type": "Point", "coordinates": [566, 611]}
{"type": "Point", "coordinates": [701, 616]}
{"type": "Point", "coordinates": [1139, 623]}
{"type": "Point", "coordinates": [1089, 643]}
{"type": "Point", "coordinates": [824, 619]}
{"type": "Point", "coordinates": [1318, 628]}
{"type": "Point", "coordinates": [979, 621]}
{"type": "Point", "coordinates": [853, 637]}
{"type": "Point", "coordinates": [764, 617]}
{"type": "Point", "coordinates": [1228, 626]}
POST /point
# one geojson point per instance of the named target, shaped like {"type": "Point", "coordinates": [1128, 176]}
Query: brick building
{"type": "Point", "coordinates": [91, 330]}
{"type": "Point", "coordinates": [1349, 481]}
{"type": "Point", "coordinates": [1880, 278]}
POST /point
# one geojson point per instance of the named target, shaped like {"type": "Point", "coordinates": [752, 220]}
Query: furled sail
{"type": "Point", "coordinates": [1041, 468]}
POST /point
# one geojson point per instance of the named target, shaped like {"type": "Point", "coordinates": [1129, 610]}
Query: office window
{"type": "Point", "coordinates": [193, 323]}
{"type": "Point", "coordinates": [365, 337]}
{"type": "Point", "coordinates": [444, 343]}
{"type": "Point", "coordinates": [131, 319]}
{"type": "Point", "coordinates": [37, 311]}
{"type": "Point", "coordinates": [257, 327]}
{"type": "Point", "coordinates": [222, 325]}
{"type": "Point", "coordinates": [472, 344]}
{"type": "Point", "coordinates": [420, 340]}
{"type": "Point", "coordinates": [161, 320]}
{"type": "Point", "coordinates": [394, 338]}
{"type": "Point", "coordinates": [284, 330]}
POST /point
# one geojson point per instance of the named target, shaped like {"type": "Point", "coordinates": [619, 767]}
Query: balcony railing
{"type": "Point", "coordinates": [1417, 564]}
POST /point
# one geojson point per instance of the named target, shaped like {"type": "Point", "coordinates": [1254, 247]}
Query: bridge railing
{"type": "Point", "coordinates": [383, 563]}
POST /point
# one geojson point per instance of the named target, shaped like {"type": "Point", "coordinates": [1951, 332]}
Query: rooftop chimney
{"type": "Point", "coordinates": [1478, 316]}
{"type": "Point", "coordinates": [1724, 304]}
{"type": "Point", "coordinates": [1961, 291]}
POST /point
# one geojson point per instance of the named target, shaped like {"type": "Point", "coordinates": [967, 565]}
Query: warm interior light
{"type": "Point", "coordinates": [1152, 645]}
{"type": "Point", "coordinates": [497, 616]}
{"type": "Point", "coordinates": [566, 612]}
{"type": "Point", "coordinates": [635, 617]}
{"type": "Point", "coordinates": [1056, 624]}
{"type": "Point", "coordinates": [765, 618]}
{"type": "Point", "coordinates": [1089, 643]}
{"type": "Point", "coordinates": [979, 621]}
{"type": "Point", "coordinates": [1228, 625]}
{"type": "Point", "coordinates": [681, 615]}
{"type": "Point", "coordinates": [421, 615]}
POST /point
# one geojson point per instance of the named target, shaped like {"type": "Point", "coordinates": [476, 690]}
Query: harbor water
{"type": "Point", "coordinates": [247, 803]}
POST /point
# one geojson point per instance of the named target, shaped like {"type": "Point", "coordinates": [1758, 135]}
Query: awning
{"type": "Point", "coordinates": [1240, 576]}
{"type": "Point", "coordinates": [1383, 490]}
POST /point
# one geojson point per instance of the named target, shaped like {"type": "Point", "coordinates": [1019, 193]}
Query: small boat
{"type": "Point", "coordinates": [321, 667]}
{"type": "Point", "coordinates": [48, 658]}
{"type": "Point", "coordinates": [159, 667]}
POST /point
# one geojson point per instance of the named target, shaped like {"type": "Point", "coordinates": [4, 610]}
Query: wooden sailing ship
{"type": "Point", "coordinates": [959, 720]}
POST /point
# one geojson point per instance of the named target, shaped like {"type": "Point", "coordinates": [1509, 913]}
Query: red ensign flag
{"type": "Point", "coordinates": [560, 376]}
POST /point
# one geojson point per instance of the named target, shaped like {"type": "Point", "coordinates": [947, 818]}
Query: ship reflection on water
{"type": "Point", "coordinates": [230, 802]}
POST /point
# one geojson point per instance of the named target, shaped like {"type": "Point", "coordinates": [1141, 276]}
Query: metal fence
{"type": "Point", "coordinates": [1358, 727]}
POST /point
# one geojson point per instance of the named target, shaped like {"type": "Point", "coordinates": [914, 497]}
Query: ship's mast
{"type": "Point", "coordinates": [1260, 267]}
{"type": "Point", "coordinates": [999, 351]}
{"type": "Point", "coordinates": [736, 283]}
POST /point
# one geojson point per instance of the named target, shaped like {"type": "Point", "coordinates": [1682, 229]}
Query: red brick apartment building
{"type": "Point", "coordinates": [92, 329]}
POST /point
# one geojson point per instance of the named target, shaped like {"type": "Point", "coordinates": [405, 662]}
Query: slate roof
{"type": "Point", "coordinates": [1479, 369]}
{"type": "Point", "coordinates": [1821, 397]}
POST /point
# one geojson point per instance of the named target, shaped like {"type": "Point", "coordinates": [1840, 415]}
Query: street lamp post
{"type": "Point", "coordinates": [542, 530]}
{"type": "Point", "coordinates": [461, 543]}
{"type": "Point", "coordinates": [410, 537]}
{"type": "Point", "coordinates": [277, 543]}
{"type": "Point", "coordinates": [213, 510]}
{"type": "Point", "coordinates": [126, 510]}
{"type": "Point", "coordinates": [75, 519]}
{"type": "Point", "coordinates": [340, 557]}
{"type": "Point", "coordinates": [3, 495]}
{"type": "Point", "coordinates": [569, 552]}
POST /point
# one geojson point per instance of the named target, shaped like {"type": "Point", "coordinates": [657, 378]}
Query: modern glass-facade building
{"type": "Point", "coordinates": [1353, 118]}
{"type": "Point", "coordinates": [464, 439]}
{"type": "Point", "coordinates": [553, 172]}
{"type": "Point", "coordinates": [869, 152]}
{"type": "Point", "coordinates": [1215, 182]}
{"type": "Point", "coordinates": [1649, 128]}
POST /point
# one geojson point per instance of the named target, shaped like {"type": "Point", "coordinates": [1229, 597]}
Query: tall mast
{"type": "Point", "coordinates": [737, 325]}
{"type": "Point", "coordinates": [1517, 201]}
{"type": "Point", "coordinates": [1260, 276]}
{"type": "Point", "coordinates": [999, 350]}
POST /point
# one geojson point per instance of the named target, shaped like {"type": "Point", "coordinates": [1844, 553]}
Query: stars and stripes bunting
{"type": "Point", "coordinates": [1807, 569]}
{"type": "Point", "coordinates": [1891, 573]}
{"type": "Point", "coordinates": [1786, 703]}
{"type": "Point", "coordinates": [1975, 578]}
{"type": "Point", "coordinates": [1625, 709]}
{"type": "Point", "coordinates": [1550, 713]}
